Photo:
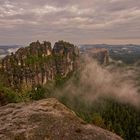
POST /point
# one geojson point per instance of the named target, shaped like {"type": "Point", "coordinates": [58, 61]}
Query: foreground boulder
{"type": "Point", "coordinates": [46, 120]}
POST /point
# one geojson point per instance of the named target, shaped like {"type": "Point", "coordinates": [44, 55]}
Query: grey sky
{"type": "Point", "coordinates": [78, 21]}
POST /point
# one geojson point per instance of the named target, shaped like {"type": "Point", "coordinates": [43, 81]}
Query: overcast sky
{"type": "Point", "coordinates": [77, 21]}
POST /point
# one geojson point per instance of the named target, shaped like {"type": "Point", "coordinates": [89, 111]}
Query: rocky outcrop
{"type": "Point", "coordinates": [100, 54]}
{"type": "Point", "coordinates": [39, 63]}
{"type": "Point", "coordinates": [46, 120]}
{"type": "Point", "coordinates": [65, 57]}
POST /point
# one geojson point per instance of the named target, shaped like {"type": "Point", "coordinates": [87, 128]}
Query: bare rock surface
{"type": "Point", "coordinates": [47, 120]}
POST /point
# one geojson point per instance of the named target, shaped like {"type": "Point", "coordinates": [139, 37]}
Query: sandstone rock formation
{"type": "Point", "coordinates": [100, 54]}
{"type": "Point", "coordinates": [46, 120]}
{"type": "Point", "coordinates": [65, 57]}
{"type": "Point", "coordinates": [38, 63]}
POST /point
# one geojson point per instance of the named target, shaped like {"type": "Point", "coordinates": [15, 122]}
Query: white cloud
{"type": "Point", "coordinates": [47, 9]}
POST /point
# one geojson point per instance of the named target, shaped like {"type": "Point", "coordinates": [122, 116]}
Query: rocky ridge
{"type": "Point", "coordinates": [38, 63]}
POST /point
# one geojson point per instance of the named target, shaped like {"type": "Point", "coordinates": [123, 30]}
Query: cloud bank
{"type": "Point", "coordinates": [80, 21]}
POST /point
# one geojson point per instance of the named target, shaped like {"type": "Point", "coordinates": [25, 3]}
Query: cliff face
{"type": "Point", "coordinates": [100, 54]}
{"type": "Point", "coordinates": [47, 120]}
{"type": "Point", "coordinates": [38, 63]}
{"type": "Point", "coordinates": [65, 57]}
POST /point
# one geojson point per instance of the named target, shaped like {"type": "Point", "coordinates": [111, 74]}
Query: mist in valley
{"type": "Point", "coordinates": [95, 82]}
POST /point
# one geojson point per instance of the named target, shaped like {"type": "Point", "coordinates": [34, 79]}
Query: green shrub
{"type": "Point", "coordinates": [37, 93]}
{"type": "Point", "coordinates": [7, 95]}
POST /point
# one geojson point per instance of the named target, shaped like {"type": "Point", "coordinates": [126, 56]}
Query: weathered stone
{"type": "Point", "coordinates": [101, 54]}
{"type": "Point", "coordinates": [47, 120]}
{"type": "Point", "coordinates": [66, 56]}
{"type": "Point", "coordinates": [38, 63]}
